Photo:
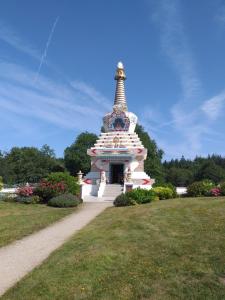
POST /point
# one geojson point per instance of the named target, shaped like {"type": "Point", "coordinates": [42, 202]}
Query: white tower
{"type": "Point", "coordinates": [117, 158]}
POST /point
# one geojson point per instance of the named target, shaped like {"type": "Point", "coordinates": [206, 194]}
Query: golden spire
{"type": "Point", "coordinates": [120, 98]}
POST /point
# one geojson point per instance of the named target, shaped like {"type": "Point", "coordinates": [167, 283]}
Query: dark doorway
{"type": "Point", "coordinates": [117, 173]}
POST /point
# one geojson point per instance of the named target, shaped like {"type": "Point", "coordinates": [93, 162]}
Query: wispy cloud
{"type": "Point", "coordinates": [46, 101]}
{"type": "Point", "coordinates": [214, 106]}
{"type": "Point", "coordinates": [185, 112]}
{"type": "Point", "coordinates": [175, 45]}
{"type": "Point", "coordinates": [44, 55]}
{"type": "Point", "coordinates": [11, 37]}
{"type": "Point", "coordinates": [64, 103]}
{"type": "Point", "coordinates": [92, 93]}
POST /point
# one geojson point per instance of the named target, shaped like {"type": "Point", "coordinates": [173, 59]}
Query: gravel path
{"type": "Point", "coordinates": [20, 257]}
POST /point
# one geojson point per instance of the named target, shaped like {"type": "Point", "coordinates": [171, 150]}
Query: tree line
{"type": "Point", "coordinates": [30, 164]}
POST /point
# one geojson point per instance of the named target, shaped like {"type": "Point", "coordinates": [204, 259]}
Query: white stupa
{"type": "Point", "coordinates": [117, 158]}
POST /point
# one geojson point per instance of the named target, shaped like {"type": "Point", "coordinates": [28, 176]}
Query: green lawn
{"type": "Point", "coordinates": [172, 249]}
{"type": "Point", "coordinates": [18, 220]}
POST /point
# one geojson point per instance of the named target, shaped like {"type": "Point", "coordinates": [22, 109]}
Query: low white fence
{"type": "Point", "coordinates": [181, 190]}
{"type": "Point", "coordinates": [8, 190]}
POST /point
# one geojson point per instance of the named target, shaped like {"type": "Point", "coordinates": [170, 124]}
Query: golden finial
{"type": "Point", "coordinates": [120, 74]}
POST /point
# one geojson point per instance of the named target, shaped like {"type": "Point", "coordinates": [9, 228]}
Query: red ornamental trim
{"type": "Point", "coordinates": [88, 181]}
{"type": "Point", "coordinates": [93, 151]}
{"type": "Point", "coordinates": [94, 164]}
{"type": "Point", "coordinates": [115, 150]}
{"type": "Point", "coordinates": [146, 181]}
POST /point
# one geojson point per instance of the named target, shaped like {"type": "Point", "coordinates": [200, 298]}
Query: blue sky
{"type": "Point", "coordinates": [58, 58]}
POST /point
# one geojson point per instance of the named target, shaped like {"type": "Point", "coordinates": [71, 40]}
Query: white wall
{"type": "Point", "coordinates": [89, 189]}
{"type": "Point", "coordinates": [181, 190]}
{"type": "Point", "coordinates": [9, 190]}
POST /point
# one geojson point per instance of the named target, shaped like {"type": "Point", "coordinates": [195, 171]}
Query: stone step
{"type": "Point", "coordinates": [113, 190]}
{"type": "Point", "coordinates": [111, 195]}
{"type": "Point", "coordinates": [112, 186]}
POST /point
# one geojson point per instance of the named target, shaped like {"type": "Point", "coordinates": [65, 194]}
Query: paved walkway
{"type": "Point", "coordinates": [20, 257]}
{"type": "Point", "coordinates": [96, 199]}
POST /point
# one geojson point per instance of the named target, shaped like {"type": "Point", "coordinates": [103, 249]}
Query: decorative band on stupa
{"type": "Point", "coordinates": [120, 98]}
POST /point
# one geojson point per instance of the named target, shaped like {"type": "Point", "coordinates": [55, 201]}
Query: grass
{"type": "Point", "coordinates": [171, 249]}
{"type": "Point", "coordinates": [18, 220]}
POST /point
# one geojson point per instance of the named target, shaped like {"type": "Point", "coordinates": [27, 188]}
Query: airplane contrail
{"type": "Point", "coordinates": [44, 55]}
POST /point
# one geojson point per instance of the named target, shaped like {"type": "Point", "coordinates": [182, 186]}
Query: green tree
{"type": "Point", "coordinates": [1, 183]}
{"type": "Point", "coordinates": [179, 176]}
{"type": "Point", "coordinates": [59, 165]}
{"type": "Point", "coordinates": [47, 151]}
{"type": "Point", "coordinates": [201, 168]}
{"type": "Point", "coordinates": [27, 164]}
{"type": "Point", "coordinates": [5, 169]}
{"type": "Point", "coordinates": [76, 157]}
{"type": "Point", "coordinates": [153, 164]}
{"type": "Point", "coordinates": [210, 170]}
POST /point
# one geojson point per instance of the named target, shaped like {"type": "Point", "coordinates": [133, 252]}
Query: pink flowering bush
{"type": "Point", "coordinates": [215, 192]}
{"type": "Point", "coordinates": [56, 184]}
{"type": "Point", "coordinates": [25, 191]}
{"type": "Point", "coordinates": [47, 190]}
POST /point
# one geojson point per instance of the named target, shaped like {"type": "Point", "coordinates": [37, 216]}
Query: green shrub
{"type": "Point", "coordinates": [72, 186]}
{"type": "Point", "coordinates": [200, 188]}
{"type": "Point", "coordinates": [28, 200]}
{"type": "Point", "coordinates": [64, 200]}
{"type": "Point", "coordinates": [124, 200]}
{"type": "Point", "coordinates": [142, 196]}
{"type": "Point", "coordinates": [169, 185]}
{"type": "Point", "coordinates": [222, 187]}
{"type": "Point", "coordinates": [208, 185]}
{"type": "Point", "coordinates": [195, 189]}
{"type": "Point", "coordinates": [56, 184]}
{"type": "Point", "coordinates": [136, 196]}
{"type": "Point", "coordinates": [163, 192]}
{"type": "Point", "coordinates": [46, 190]}
{"type": "Point", "coordinates": [1, 183]}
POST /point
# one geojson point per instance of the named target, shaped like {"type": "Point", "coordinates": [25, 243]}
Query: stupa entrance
{"type": "Point", "coordinates": [116, 173]}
